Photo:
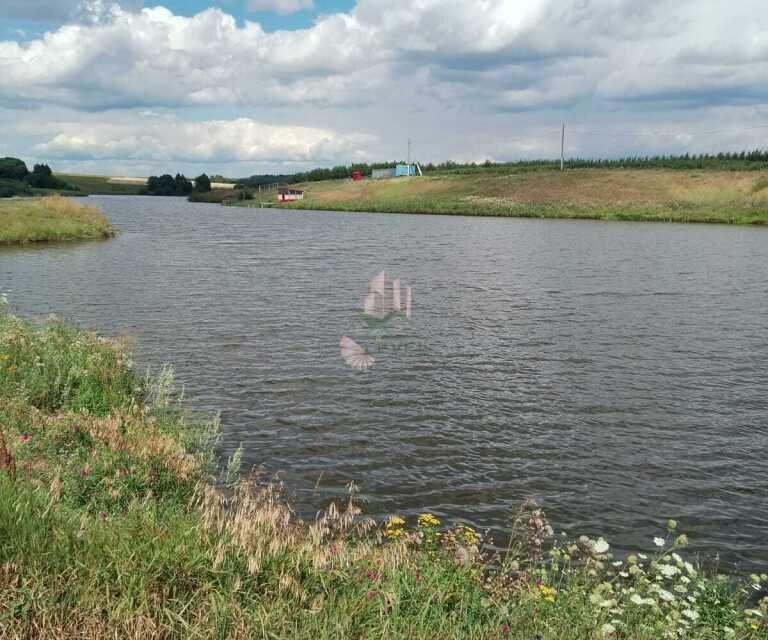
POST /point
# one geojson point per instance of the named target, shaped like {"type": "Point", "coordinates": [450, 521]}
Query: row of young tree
{"type": "Point", "coordinates": [726, 161]}
{"type": "Point", "coordinates": [17, 179]}
{"type": "Point", "coordinates": [180, 185]}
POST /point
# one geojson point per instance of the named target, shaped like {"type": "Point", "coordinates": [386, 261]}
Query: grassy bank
{"type": "Point", "coordinates": [601, 194]}
{"type": "Point", "coordinates": [51, 218]}
{"type": "Point", "coordinates": [115, 522]}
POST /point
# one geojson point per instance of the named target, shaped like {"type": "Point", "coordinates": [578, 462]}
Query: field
{"type": "Point", "coordinates": [604, 194]}
{"type": "Point", "coordinates": [116, 521]}
{"type": "Point", "coordinates": [50, 218]}
{"type": "Point", "coordinates": [102, 184]}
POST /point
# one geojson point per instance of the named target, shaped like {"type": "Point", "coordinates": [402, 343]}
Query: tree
{"type": "Point", "coordinates": [202, 184]}
{"type": "Point", "coordinates": [182, 185]}
{"type": "Point", "coordinates": [13, 169]}
{"type": "Point", "coordinates": [167, 185]}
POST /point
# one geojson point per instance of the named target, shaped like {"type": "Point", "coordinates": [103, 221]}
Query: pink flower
{"type": "Point", "coordinates": [505, 629]}
{"type": "Point", "coordinates": [370, 594]}
{"type": "Point", "coordinates": [25, 437]}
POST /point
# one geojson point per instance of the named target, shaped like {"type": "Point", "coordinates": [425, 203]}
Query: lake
{"type": "Point", "coordinates": [618, 372]}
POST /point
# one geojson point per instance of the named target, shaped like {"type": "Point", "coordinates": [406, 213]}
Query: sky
{"type": "Point", "coordinates": [238, 87]}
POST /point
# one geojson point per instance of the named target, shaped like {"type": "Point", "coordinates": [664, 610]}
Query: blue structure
{"type": "Point", "coordinates": [403, 170]}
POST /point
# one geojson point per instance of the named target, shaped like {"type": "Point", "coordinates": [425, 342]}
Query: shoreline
{"type": "Point", "coordinates": [116, 519]}
{"type": "Point", "coordinates": [641, 195]}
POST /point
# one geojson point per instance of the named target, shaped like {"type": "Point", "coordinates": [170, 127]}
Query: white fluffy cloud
{"type": "Point", "coordinates": [166, 138]}
{"type": "Point", "coordinates": [534, 52]}
{"type": "Point", "coordinates": [394, 69]}
{"type": "Point", "coordinates": [283, 7]}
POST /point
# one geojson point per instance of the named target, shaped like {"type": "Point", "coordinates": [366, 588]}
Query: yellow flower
{"type": "Point", "coordinates": [467, 534]}
{"type": "Point", "coordinates": [395, 521]}
{"type": "Point", "coordinates": [547, 593]}
{"type": "Point", "coordinates": [428, 520]}
{"type": "Point", "coordinates": [393, 533]}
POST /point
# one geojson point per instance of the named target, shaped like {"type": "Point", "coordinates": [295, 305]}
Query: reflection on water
{"type": "Point", "coordinates": [616, 371]}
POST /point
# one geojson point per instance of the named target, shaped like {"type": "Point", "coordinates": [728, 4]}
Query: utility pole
{"type": "Point", "coordinates": [562, 149]}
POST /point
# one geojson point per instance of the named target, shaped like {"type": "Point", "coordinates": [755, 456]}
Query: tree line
{"type": "Point", "coordinates": [724, 161]}
{"type": "Point", "coordinates": [180, 185]}
{"type": "Point", "coordinates": [16, 179]}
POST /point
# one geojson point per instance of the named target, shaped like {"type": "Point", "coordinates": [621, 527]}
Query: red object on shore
{"type": "Point", "coordinates": [357, 175]}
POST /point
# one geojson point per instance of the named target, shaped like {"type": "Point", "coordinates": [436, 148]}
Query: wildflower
{"type": "Point", "coordinates": [608, 630]}
{"type": "Point", "coordinates": [668, 570]}
{"type": "Point", "coordinates": [600, 546]}
{"type": "Point", "coordinates": [25, 437]}
{"type": "Point", "coordinates": [681, 540]}
{"type": "Point", "coordinates": [642, 556]}
{"type": "Point", "coordinates": [547, 593]}
{"type": "Point", "coordinates": [395, 521]}
{"type": "Point", "coordinates": [691, 614]}
{"type": "Point", "coordinates": [666, 595]}
{"type": "Point", "coordinates": [428, 520]}
{"type": "Point", "coordinates": [640, 601]}
{"type": "Point", "coordinates": [85, 470]}
{"type": "Point", "coordinates": [672, 525]}
{"type": "Point", "coordinates": [689, 568]}
{"type": "Point", "coordinates": [505, 629]}
{"type": "Point", "coordinates": [659, 542]}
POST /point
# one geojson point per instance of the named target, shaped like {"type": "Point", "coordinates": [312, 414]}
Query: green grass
{"type": "Point", "coordinates": [100, 185]}
{"type": "Point", "coordinates": [115, 522]}
{"type": "Point", "coordinates": [598, 194]}
{"type": "Point", "coordinates": [50, 218]}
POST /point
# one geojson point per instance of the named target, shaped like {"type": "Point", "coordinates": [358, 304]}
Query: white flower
{"type": "Point", "coordinates": [685, 579]}
{"type": "Point", "coordinates": [639, 600]}
{"type": "Point", "coordinates": [668, 570]}
{"type": "Point", "coordinates": [691, 614]}
{"type": "Point", "coordinates": [666, 595]}
{"type": "Point", "coordinates": [689, 568]}
{"type": "Point", "coordinates": [608, 629]}
{"type": "Point", "coordinates": [618, 563]}
{"type": "Point", "coordinates": [600, 546]}
{"type": "Point", "coordinates": [642, 556]}
{"type": "Point", "coordinates": [659, 542]}
{"type": "Point", "coordinates": [678, 560]}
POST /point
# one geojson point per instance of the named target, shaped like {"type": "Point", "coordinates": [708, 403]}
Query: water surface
{"type": "Point", "coordinates": [616, 371]}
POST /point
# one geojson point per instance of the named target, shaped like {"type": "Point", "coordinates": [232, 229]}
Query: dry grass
{"type": "Point", "coordinates": [51, 218]}
{"type": "Point", "coordinates": [731, 197]}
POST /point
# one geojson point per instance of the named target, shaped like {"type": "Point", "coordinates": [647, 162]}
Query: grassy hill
{"type": "Point", "coordinates": [605, 194]}
{"type": "Point", "coordinates": [100, 184]}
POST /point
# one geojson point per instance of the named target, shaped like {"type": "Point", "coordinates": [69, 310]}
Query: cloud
{"type": "Point", "coordinates": [61, 10]}
{"type": "Point", "coordinates": [556, 52]}
{"type": "Point", "coordinates": [478, 70]}
{"type": "Point", "coordinates": [283, 7]}
{"type": "Point", "coordinates": [157, 137]}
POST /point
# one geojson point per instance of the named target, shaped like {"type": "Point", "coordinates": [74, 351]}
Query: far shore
{"type": "Point", "coordinates": [726, 197]}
